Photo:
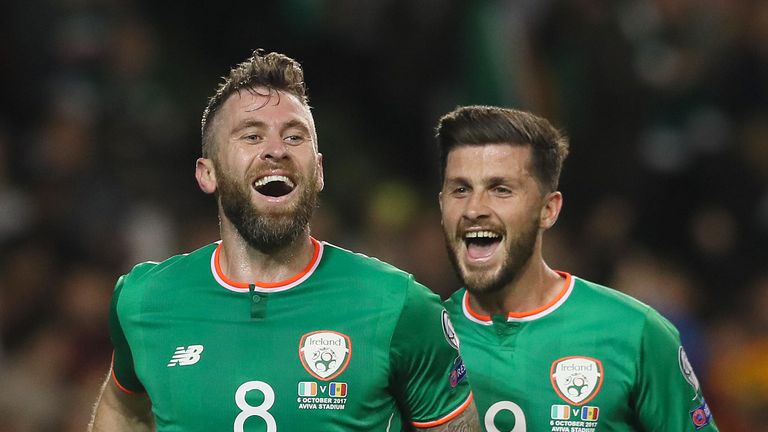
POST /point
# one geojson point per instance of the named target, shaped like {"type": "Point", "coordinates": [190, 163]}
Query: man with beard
{"type": "Point", "coordinates": [544, 350]}
{"type": "Point", "coordinates": [270, 328]}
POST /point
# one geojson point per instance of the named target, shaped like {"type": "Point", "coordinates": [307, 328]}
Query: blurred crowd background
{"type": "Point", "coordinates": [666, 188]}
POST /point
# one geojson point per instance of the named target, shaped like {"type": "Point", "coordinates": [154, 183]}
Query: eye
{"type": "Point", "coordinates": [459, 190]}
{"type": "Point", "coordinates": [252, 137]}
{"type": "Point", "coordinates": [502, 190]}
{"type": "Point", "coordinates": [294, 139]}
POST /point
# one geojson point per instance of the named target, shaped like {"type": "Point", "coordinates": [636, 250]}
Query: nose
{"type": "Point", "coordinates": [477, 207]}
{"type": "Point", "coordinates": [274, 148]}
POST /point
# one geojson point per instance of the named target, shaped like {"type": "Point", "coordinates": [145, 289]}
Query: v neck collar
{"type": "Point", "coordinates": [266, 287]}
{"type": "Point", "coordinates": [531, 315]}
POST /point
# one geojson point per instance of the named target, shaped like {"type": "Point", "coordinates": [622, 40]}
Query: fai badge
{"type": "Point", "coordinates": [577, 379]}
{"type": "Point", "coordinates": [325, 353]}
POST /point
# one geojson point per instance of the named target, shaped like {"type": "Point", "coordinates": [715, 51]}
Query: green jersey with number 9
{"type": "Point", "coordinates": [593, 359]}
{"type": "Point", "coordinates": [350, 343]}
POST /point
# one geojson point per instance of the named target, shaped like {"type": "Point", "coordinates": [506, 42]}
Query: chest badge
{"type": "Point", "coordinates": [325, 353]}
{"type": "Point", "coordinates": [577, 380]}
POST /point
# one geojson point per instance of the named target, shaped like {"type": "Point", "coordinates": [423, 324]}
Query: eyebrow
{"type": "Point", "coordinates": [501, 180]}
{"type": "Point", "coordinates": [295, 123]}
{"type": "Point", "coordinates": [490, 181]}
{"type": "Point", "coordinates": [248, 123]}
{"type": "Point", "coordinates": [459, 179]}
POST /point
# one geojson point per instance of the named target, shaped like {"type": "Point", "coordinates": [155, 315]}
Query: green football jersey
{"type": "Point", "coordinates": [593, 359]}
{"type": "Point", "coordinates": [348, 344]}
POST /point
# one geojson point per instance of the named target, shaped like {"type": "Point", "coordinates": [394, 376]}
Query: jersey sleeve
{"type": "Point", "coordinates": [427, 370]}
{"type": "Point", "coordinates": [123, 372]}
{"type": "Point", "coordinates": [669, 396]}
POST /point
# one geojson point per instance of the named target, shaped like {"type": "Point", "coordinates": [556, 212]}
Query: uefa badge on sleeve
{"type": "Point", "coordinates": [458, 372]}
{"type": "Point", "coordinates": [701, 415]}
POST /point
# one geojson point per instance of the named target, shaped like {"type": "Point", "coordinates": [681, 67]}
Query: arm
{"type": "Point", "coordinates": [428, 371]}
{"type": "Point", "coordinates": [466, 421]}
{"type": "Point", "coordinates": [668, 394]}
{"type": "Point", "coordinates": [118, 411]}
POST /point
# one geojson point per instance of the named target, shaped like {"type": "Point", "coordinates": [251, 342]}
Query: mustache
{"type": "Point", "coordinates": [463, 227]}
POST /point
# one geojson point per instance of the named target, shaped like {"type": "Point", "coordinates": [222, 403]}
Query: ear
{"type": "Point", "coordinates": [550, 211]}
{"type": "Point", "coordinates": [440, 201]}
{"type": "Point", "coordinates": [205, 175]}
{"type": "Point", "coordinates": [320, 176]}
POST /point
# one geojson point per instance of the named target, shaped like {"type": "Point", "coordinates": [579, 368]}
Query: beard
{"type": "Point", "coordinates": [518, 254]}
{"type": "Point", "coordinates": [266, 232]}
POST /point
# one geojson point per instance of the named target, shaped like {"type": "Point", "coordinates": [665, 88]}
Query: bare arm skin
{"type": "Point", "coordinates": [467, 421]}
{"type": "Point", "coordinates": [117, 411]}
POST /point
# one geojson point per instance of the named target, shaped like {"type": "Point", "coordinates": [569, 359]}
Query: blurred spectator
{"type": "Point", "coordinates": [738, 373]}
{"type": "Point", "coordinates": [668, 288]}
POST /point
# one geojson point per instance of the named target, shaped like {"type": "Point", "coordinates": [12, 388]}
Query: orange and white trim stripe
{"type": "Point", "coordinates": [267, 287]}
{"type": "Point", "coordinates": [534, 314]}
{"type": "Point", "coordinates": [445, 419]}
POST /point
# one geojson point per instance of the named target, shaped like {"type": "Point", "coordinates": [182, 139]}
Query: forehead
{"type": "Point", "coordinates": [264, 105]}
{"type": "Point", "coordinates": [497, 160]}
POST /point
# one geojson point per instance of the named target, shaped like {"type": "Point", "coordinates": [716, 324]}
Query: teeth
{"type": "Point", "coordinates": [481, 234]}
{"type": "Point", "coordinates": [264, 180]}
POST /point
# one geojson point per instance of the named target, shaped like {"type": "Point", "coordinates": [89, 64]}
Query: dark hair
{"type": "Point", "coordinates": [479, 125]}
{"type": "Point", "coordinates": [272, 70]}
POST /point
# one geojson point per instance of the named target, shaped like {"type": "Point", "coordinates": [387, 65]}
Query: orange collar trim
{"type": "Point", "coordinates": [531, 315]}
{"type": "Point", "coordinates": [268, 287]}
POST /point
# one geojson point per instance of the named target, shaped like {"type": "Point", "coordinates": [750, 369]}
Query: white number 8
{"type": "Point", "coordinates": [490, 415]}
{"type": "Point", "coordinates": [258, 411]}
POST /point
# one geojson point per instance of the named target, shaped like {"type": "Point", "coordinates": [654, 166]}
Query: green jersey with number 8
{"type": "Point", "coordinates": [591, 360]}
{"type": "Point", "coordinates": [348, 344]}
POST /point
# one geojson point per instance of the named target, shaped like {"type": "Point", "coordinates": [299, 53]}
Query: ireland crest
{"type": "Point", "coordinates": [577, 379]}
{"type": "Point", "coordinates": [325, 353]}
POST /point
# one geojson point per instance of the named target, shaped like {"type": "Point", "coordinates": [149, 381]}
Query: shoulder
{"type": "Point", "coordinates": [369, 274]}
{"type": "Point", "coordinates": [607, 299]}
{"type": "Point", "coordinates": [453, 304]}
{"type": "Point", "coordinates": [615, 305]}
{"type": "Point", "coordinates": [346, 263]}
{"type": "Point", "coordinates": [175, 267]}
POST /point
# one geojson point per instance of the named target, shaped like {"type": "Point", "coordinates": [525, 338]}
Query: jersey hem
{"type": "Point", "coordinates": [452, 415]}
{"type": "Point", "coordinates": [117, 382]}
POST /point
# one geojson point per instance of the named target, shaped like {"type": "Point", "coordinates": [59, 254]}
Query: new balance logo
{"type": "Point", "coordinates": [186, 356]}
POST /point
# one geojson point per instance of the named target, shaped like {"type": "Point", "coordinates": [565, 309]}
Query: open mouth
{"type": "Point", "coordinates": [274, 186]}
{"type": "Point", "coordinates": [481, 244]}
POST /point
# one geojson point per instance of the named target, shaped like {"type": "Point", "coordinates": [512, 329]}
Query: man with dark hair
{"type": "Point", "coordinates": [270, 328]}
{"type": "Point", "coordinates": [544, 350]}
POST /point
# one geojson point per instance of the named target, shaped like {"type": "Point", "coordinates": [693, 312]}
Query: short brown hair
{"type": "Point", "coordinates": [272, 70]}
{"type": "Point", "coordinates": [479, 125]}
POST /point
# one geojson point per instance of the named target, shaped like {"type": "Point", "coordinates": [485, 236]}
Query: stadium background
{"type": "Point", "coordinates": [665, 101]}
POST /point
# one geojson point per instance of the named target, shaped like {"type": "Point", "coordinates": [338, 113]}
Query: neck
{"type": "Point", "coordinates": [533, 287]}
{"type": "Point", "coordinates": [243, 263]}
